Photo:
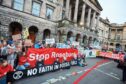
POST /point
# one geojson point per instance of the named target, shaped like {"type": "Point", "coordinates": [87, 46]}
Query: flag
{"type": "Point", "coordinates": [25, 33]}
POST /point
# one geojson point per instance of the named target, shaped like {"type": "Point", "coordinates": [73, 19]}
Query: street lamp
{"type": "Point", "coordinates": [81, 23]}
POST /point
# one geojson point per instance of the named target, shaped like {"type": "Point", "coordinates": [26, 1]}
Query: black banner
{"type": "Point", "coordinates": [17, 75]}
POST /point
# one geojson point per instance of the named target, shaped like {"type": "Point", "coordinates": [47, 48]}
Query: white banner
{"type": "Point", "coordinates": [62, 45]}
{"type": "Point", "coordinates": [75, 43]}
{"type": "Point", "coordinates": [50, 41]}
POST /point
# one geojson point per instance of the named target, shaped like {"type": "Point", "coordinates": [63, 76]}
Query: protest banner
{"type": "Point", "coordinates": [50, 63]}
{"type": "Point", "coordinates": [111, 55]}
{"type": "Point", "coordinates": [50, 54]}
{"type": "Point", "coordinates": [17, 75]}
{"type": "Point", "coordinates": [50, 41]}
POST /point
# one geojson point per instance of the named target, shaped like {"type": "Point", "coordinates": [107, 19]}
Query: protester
{"type": "Point", "coordinates": [81, 60]}
{"type": "Point", "coordinates": [4, 69]}
{"type": "Point", "coordinates": [23, 64]}
{"type": "Point", "coordinates": [56, 63]}
{"type": "Point", "coordinates": [4, 50]}
{"type": "Point", "coordinates": [11, 53]}
{"type": "Point", "coordinates": [124, 70]}
{"type": "Point", "coordinates": [64, 61]}
{"type": "Point", "coordinates": [40, 63]}
{"type": "Point", "coordinates": [18, 53]}
{"type": "Point", "coordinates": [37, 45]}
{"type": "Point", "coordinates": [15, 53]}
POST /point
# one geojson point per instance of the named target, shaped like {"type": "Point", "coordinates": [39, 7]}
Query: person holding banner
{"type": "Point", "coordinates": [37, 45]}
{"type": "Point", "coordinates": [11, 54]}
{"type": "Point", "coordinates": [56, 64]}
{"type": "Point", "coordinates": [40, 63]}
{"type": "Point", "coordinates": [64, 61]}
{"type": "Point", "coordinates": [4, 69]}
{"type": "Point", "coordinates": [23, 62]}
{"type": "Point", "coordinates": [80, 60]}
{"type": "Point", "coordinates": [4, 50]}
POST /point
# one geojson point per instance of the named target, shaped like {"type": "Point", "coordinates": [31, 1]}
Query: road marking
{"type": "Point", "coordinates": [60, 78]}
{"type": "Point", "coordinates": [68, 75]}
{"type": "Point", "coordinates": [88, 71]}
{"type": "Point", "coordinates": [107, 74]}
{"type": "Point", "coordinates": [45, 83]}
{"type": "Point", "coordinates": [79, 72]}
{"type": "Point", "coordinates": [113, 73]}
{"type": "Point", "coordinates": [104, 64]}
{"type": "Point", "coordinates": [53, 80]}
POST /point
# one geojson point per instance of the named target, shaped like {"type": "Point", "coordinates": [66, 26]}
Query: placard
{"type": "Point", "coordinates": [28, 42]}
{"type": "Point", "coordinates": [50, 41]}
{"type": "Point", "coordinates": [75, 43]}
{"type": "Point", "coordinates": [16, 37]}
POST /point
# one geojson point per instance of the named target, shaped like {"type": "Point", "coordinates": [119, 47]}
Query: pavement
{"type": "Point", "coordinates": [104, 73]}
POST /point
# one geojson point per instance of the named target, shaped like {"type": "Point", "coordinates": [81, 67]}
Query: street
{"type": "Point", "coordinates": [105, 73]}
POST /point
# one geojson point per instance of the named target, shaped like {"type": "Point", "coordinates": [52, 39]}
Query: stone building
{"type": "Point", "coordinates": [73, 20]}
{"type": "Point", "coordinates": [118, 37]}
{"type": "Point", "coordinates": [104, 32]}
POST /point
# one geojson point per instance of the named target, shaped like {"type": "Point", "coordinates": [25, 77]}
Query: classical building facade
{"type": "Point", "coordinates": [104, 32]}
{"type": "Point", "coordinates": [118, 36]}
{"type": "Point", "coordinates": [73, 20]}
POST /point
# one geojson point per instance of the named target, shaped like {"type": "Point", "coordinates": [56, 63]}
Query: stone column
{"type": "Point", "coordinates": [70, 11]}
{"type": "Point", "coordinates": [93, 20]}
{"type": "Point", "coordinates": [43, 9]}
{"type": "Point", "coordinates": [97, 21]}
{"type": "Point", "coordinates": [67, 9]}
{"type": "Point", "coordinates": [115, 34]}
{"type": "Point", "coordinates": [28, 7]}
{"type": "Point", "coordinates": [83, 15]}
{"type": "Point", "coordinates": [76, 11]}
{"type": "Point", "coordinates": [89, 17]}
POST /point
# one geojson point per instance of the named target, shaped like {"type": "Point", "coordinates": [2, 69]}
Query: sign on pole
{"type": "Point", "coordinates": [25, 33]}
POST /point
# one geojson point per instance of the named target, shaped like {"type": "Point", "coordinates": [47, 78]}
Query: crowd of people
{"type": "Point", "coordinates": [13, 55]}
